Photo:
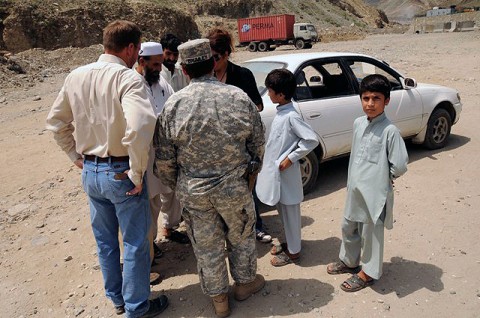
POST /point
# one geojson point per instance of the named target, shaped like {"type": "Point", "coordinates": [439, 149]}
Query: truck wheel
{"type": "Point", "coordinates": [263, 46]}
{"type": "Point", "coordinates": [300, 44]}
{"type": "Point", "coordinates": [438, 129]}
{"type": "Point", "coordinates": [308, 45]}
{"type": "Point", "coordinates": [252, 46]}
{"type": "Point", "coordinates": [309, 169]}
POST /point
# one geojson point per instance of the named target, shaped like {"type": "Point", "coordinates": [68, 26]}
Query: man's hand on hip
{"type": "Point", "coordinates": [135, 191]}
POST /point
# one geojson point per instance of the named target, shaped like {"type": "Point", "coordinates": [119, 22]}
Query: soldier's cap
{"type": "Point", "coordinates": [195, 51]}
{"type": "Point", "coordinates": [150, 49]}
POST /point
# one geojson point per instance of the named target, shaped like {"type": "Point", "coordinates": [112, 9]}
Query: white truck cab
{"type": "Point", "coordinates": [305, 34]}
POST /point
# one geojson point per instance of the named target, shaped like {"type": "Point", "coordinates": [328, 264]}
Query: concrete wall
{"type": "Point", "coordinates": [458, 22]}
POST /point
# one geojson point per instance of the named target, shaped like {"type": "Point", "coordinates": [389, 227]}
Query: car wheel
{"type": "Point", "coordinates": [309, 170]}
{"type": "Point", "coordinates": [438, 129]}
{"type": "Point", "coordinates": [252, 46]}
{"type": "Point", "coordinates": [263, 46]}
{"type": "Point", "coordinates": [300, 44]}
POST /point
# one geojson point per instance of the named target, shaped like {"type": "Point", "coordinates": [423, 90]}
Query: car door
{"type": "Point", "coordinates": [405, 109]}
{"type": "Point", "coordinates": [327, 100]}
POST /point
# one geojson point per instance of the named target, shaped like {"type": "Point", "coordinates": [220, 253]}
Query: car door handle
{"type": "Point", "coordinates": [314, 116]}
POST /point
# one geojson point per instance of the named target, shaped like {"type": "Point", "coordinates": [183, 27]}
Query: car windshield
{"type": "Point", "coordinates": [311, 28]}
{"type": "Point", "coordinates": [260, 71]}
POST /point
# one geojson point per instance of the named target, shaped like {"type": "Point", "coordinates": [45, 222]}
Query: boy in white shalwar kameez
{"type": "Point", "coordinates": [378, 156]}
{"type": "Point", "coordinates": [280, 181]}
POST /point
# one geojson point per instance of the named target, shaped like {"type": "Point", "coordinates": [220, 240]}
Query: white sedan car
{"type": "Point", "coordinates": [327, 98]}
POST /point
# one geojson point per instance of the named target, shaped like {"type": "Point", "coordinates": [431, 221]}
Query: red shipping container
{"type": "Point", "coordinates": [276, 27]}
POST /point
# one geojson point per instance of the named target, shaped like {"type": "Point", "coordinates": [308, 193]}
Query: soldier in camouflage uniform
{"type": "Point", "coordinates": [205, 137]}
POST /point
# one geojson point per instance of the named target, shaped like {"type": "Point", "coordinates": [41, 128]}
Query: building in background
{"type": "Point", "coordinates": [436, 11]}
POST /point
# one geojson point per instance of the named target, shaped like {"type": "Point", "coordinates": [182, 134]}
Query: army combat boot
{"type": "Point", "coordinates": [243, 291]}
{"type": "Point", "coordinates": [220, 303]}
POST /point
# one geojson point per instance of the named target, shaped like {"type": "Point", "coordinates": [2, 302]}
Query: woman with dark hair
{"type": "Point", "coordinates": [241, 77]}
{"type": "Point", "coordinates": [228, 72]}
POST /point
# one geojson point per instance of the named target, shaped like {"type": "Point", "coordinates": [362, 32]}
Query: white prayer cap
{"type": "Point", "coordinates": [150, 49]}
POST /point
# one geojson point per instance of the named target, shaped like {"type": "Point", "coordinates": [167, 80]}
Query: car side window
{"type": "Point", "coordinates": [362, 68]}
{"type": "Point", "coordinates": [302, 92]}
{"type": "Point", "coordinates": [322, 80]}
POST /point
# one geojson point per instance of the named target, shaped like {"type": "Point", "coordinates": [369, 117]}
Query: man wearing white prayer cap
{"type": "Point", "coordinates": [162, 198]}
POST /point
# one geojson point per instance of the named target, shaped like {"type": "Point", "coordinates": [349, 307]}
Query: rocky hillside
{"type": "Point", "coordinates": [52, 24]}
{"type": "Point", "coordinates": [405, 10]}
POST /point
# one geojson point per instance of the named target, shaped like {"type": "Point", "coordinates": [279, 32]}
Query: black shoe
{"type": "Point", "coordinates": [157, 306]}
{"type": "Point", "coordinates": [178, 237]}
{"type": "Point", "coordinates": [119, 310]}
{"type": "Point", "coordinates": [157, 252]}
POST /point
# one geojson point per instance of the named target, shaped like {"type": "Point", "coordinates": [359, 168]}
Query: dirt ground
{"type": "Point", "coordinates": [48, 263]}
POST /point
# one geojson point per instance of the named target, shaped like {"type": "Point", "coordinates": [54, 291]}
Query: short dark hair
{"type": "Point", "coordinates": [119, 34]}
{"type": "Point", "coordinates": [170, 42]}
{"type": "Point", "coordinates": [220, 41]}
{"type": "Point", "coordinates": [281, 81]}
{"type": "Point", "coordinates": [199, 69]}
{"type": "Point", "coordinates": [376, 83]}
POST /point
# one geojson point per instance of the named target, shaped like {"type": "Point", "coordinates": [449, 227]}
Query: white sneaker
{"type": "Point", "coordinates": [263, 237]}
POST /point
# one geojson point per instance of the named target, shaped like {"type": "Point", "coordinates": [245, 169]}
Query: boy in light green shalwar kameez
{"type": "Point", "coordinates": [378, 157]}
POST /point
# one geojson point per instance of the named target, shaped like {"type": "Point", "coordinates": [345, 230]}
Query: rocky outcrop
{"type": "Point", "coordinates": [359, 9]}
{"type": "Point", "coordinates": [4, 5]}
{"type": "Point", "coordinates": [53, 25]}
{"type": "Point", "coordinates": [233, 9]}
{"type": "Point", "coordinates": [405, 10]}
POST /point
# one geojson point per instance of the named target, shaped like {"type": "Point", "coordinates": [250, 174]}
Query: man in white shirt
{"type": "Point", "coordinates": [162, 199]}
{"type": "Point", "coordinates": [114, 125]}
{"type": "Point", "coordinates": [172, 71]}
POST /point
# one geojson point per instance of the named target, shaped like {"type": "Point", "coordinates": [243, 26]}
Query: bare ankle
{"type": "Point", "coordinates": [364, 276]}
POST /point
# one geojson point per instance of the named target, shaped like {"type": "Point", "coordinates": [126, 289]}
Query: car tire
{"type": "Point", "coordinates": [263, 46]}
{"type": "Point", "coordinates": [438, 129]}
{"type": "Point", "coordinates": [252, 46]}
{"type": "Point", "coordinates": [309, 169]}
{"type": "Point", "coordinates": [300, 44]}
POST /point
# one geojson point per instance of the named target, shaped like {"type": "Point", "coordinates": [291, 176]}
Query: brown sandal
{"type": "Point", "coordinates": [340, 268]}
{"type": "Point", "coordinates": [355, 283]}
{"type": "Point", "coordinates": [285, 258]}
{"type": "Point", "coordinates": [155, 278]}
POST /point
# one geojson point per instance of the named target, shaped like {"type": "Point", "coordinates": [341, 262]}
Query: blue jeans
{"type": "Point", "coordinates": [111, 209]}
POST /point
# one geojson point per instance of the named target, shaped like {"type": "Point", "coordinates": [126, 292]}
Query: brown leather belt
{"type": "Point", "coordinates": [111, 159]}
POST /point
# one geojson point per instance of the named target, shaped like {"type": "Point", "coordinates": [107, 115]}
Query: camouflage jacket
{"type": "Point", "coordinates": [207, 132]}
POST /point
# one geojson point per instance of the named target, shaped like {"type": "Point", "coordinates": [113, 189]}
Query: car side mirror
{"type": "Point", "coordinates": [315, 79]}
{"type": "Point", "coordinates": [409, 83]}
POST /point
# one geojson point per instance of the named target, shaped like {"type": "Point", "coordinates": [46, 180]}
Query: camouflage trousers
{"type": "Point", "coordinates": [222, 217]}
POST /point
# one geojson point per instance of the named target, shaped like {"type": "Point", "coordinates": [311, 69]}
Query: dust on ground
{"type": "Point", "coordinates": [49, 266]}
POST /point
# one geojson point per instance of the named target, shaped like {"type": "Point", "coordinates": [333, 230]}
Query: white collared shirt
{"type": "Point", "coordinates": [112, 112]}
